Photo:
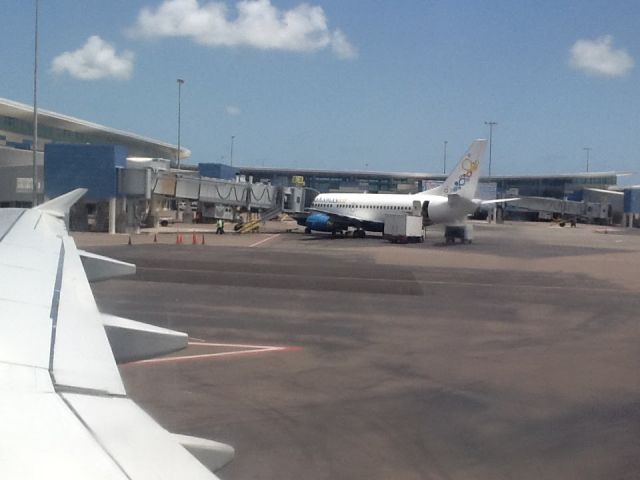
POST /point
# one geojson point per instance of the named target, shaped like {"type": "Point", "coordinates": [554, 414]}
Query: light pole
{"type": "Point", "coordinates": [444, 160]}
{"type": "Point", "coordinates": [180, 83]}
{"type": "Point", "coordinates": [231, 153]}
{"type": "Point", "coordinates": [587, 149]}
{"type": "Point", "coordinates": [491, 124]}
{"type": "Point", "coordinates": [35, 112]}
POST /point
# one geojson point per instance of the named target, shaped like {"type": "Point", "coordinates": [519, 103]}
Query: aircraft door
{"type": "Point", "coordinates": [416, 209]}
{"type": "Point", "coordinates": [425, 214]}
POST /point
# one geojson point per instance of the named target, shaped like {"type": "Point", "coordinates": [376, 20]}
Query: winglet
{"type": "Point", "coordinates": [60, 206]}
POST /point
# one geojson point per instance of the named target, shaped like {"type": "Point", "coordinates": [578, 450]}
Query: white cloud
{"type": "Point", "coordinates": [258, 24]}
{"type": "Point", "coordinates": [598, 57]}
{"type": "Point", "coordinates": [95, 60]}
{"type": "Point", "coordinates": [341, 46]}
{"type": "Point", "coordinates": [233, 110]}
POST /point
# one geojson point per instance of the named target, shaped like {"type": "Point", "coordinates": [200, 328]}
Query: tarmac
{"type": "Point", "coordinates": [514, 357]}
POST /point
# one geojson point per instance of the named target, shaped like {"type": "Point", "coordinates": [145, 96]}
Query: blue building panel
{"type": "Point", "coordinates": [632, 200]}
{"type": "Point", "coordinates": [218, 170]}
{"type": "Point", "coordinates": [70, 166]}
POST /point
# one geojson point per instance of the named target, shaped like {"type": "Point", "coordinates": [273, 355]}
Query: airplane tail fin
{"type": "Point", "coordinates": [463, 180]}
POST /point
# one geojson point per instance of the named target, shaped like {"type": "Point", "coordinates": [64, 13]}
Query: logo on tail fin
{"type": "Point", "coordinates": [469, 167]}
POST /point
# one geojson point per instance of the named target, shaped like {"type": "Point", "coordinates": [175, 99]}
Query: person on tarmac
{"type": "Point", "coordinates": [220, 229]}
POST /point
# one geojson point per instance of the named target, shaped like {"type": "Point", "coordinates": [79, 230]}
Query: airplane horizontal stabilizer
{"type": "Point", "coordinates": [60, 206]}
{"type": "Point", "coordinates": [98, 267]}
{"type": "Point", "coordinates": [457, 201]}
{"type": "Point", "coordinates": [499, 200]}
{"type": "Point", "coordinates": [213, 455]}
{"type": "Point", "coordinates": [131, 340]}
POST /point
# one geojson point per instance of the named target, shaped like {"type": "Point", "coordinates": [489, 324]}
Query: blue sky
{"type": "Point", "coordinates": [345, 84]}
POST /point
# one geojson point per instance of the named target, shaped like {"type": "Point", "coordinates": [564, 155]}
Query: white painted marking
{"type": "Point", "coordinates": [247, 349]}
{"type": "Point", "coordinates": [265, 240]}
{"type": "Point", "coordinates": [233, 345]}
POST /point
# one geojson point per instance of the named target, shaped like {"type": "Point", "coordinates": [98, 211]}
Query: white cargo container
{"type": "Point", "coordinates": [403, 228]}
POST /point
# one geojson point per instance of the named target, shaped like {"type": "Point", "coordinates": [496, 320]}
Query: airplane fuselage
{"type": "Point", "coordinates": [370, 209]}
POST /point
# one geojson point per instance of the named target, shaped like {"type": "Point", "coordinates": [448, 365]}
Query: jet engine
{"type": "Point", "coordinates": [320, 222]}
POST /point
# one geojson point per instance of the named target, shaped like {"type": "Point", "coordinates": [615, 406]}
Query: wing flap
{"type": "Point", "coordinates": [42, 438]}
{"type": "Point", "coordinates": [82, 357]}
{"type": "Point", "coordinates": [143, 449]}
{"type": "Point", "coordinates": [98, 267]}
{"type": "Point", "coordinates": [131, 340]}
{"type": "Point", "coordinates": [213, 455]}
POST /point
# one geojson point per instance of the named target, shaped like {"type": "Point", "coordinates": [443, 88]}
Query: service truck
{"type": "Point", "coordinates": [401, 228]}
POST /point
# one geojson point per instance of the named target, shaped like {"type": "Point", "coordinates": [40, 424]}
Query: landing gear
{"type": "Point", "coordinates": [462, 232]}
{"type": "Point", "coordinates": [359, 234]}
{"type": "Point", "coordinates": [307, 231]}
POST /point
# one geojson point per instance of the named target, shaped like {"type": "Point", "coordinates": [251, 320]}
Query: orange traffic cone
{"type": "Point", "coordinates": [203, 239]}
{"type": "Point", "coordinates": [194, 241]}
{"type": "Point", "coordinates": [177, 239]}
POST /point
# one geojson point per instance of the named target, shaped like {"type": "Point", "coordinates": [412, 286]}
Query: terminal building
{"type": "Point", "coordinates": [133, 179]}
{"type": "Point", "coordinates": [324, 181]}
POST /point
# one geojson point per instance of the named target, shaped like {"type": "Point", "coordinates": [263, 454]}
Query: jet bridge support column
{"type": "Point", "coordinates": [112, 215]}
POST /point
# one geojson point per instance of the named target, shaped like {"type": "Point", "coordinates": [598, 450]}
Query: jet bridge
{"type": "Point", "coordinates": [125, 192]}
{"type": "Point", "coordinates": [165, 192]}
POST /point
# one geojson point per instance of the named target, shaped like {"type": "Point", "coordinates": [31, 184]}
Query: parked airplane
{"type": "Point", "coordinates": [64, 412]}
{"type": "Point", "coordinates": [448, 204]}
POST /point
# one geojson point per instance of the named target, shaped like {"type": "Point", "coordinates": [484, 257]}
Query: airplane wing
{"type": "Point", "coordinates": [346, 221]}
{"type": "Point", "coordinates": [64, 412]}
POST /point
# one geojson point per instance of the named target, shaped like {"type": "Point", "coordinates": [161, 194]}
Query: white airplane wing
{"type": "Point", "coordinates": [64, 412]}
